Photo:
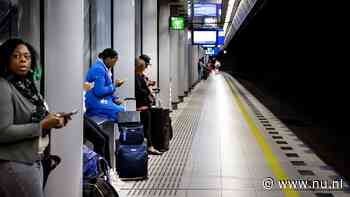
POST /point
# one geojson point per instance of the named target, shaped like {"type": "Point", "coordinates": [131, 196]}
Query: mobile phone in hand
{"type": "Point", "coordinates": [75, 111]}
{"type": "Point", "coordinates": [64, 114]}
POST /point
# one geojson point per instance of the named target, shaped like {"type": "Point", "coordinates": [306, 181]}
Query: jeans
{"type": "Point", "coordinates": [20, 179]}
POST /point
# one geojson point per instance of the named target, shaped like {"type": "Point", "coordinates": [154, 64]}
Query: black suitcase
{"type": "Point", "coordinates": [161, 128]}
{"type": "Point", "coordinates": [132, 163]}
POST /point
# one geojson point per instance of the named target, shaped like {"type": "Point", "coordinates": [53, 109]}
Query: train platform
{"type": "Point", "coordinates": [226, 143]}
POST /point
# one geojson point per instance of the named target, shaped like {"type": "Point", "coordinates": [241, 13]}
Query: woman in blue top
{"type": "Point", "coordinates": [99, 100]}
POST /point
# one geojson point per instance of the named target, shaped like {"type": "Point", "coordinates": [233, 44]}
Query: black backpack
{"type": "Point", "coordinates": [99, 188]}
{"type": "Point", "coordinates": [96, 176]}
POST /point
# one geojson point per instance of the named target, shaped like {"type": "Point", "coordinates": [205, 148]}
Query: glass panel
{"type": "Point", "coordinates": [138, 26]}
{"type": "Point", "coordinates": [87, 36]}
{"type": "Point", "coordinates": [97, 29]}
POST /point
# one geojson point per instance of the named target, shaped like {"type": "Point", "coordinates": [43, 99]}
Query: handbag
{"type": "Point", "coordinates": [49, 162]}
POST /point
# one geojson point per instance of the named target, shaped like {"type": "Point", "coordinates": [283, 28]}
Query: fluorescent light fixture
{"type": "Point", "coordinates": [228, 14]}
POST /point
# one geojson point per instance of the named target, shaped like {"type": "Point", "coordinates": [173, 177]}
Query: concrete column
{"type": "Point", "coordinates": [164, 53]}
{"type": "Point", "coordinates": [181, 64]}
{"type": "Point", "coordinates": [187, 63]}
{"type": "Point", "coordinates": [190, 64]}
{"type": "Point", "coordinates": [195, 67]}
{"type": "Point", "coordinates": [149, 34]}
{"type": "Point", "coordinates": [192, 80]}
{"type": "Point", "coordinates": [63, 90]}
{"type": "Point", "coordinates": [124, 43]}
{"type": "Point", "coordinates": [174, 64]}
{"type": "Point", "coordinates": [195, 58]}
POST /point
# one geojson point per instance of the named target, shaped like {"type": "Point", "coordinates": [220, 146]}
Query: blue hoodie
{"type": "Point", "coordinates": [99, 101]}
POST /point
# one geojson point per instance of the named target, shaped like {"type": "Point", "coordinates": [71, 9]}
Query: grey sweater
{"type": "Point", "coordinates": [19, 137]}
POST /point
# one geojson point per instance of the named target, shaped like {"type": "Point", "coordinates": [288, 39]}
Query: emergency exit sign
{"type": "Point", "coordinates": [177, 23]}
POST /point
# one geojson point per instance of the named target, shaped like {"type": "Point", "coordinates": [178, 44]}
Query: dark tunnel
{"type": "Point", "coordinates": [293, 55]}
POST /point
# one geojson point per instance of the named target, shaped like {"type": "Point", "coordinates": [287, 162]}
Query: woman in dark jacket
{"type": "Point", "coordinates": [144, 102]}
{"type": "Point", "coordinates": [24, 122]}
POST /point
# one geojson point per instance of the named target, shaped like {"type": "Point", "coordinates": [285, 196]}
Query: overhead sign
{"type": "Point", "coordinates": [221, 37]}
{"type": "Point", "coordinates": [177, 23]}
{"type": "Point", "coordinates": [204, 37]}
{"type": "Point", "coordinates": [205, 9]}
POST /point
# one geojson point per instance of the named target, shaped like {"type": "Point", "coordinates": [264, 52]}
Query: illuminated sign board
{"type": "Point", "coordinates": [204, 37]}
{"type": "Point", "coordinates": [177, 23]}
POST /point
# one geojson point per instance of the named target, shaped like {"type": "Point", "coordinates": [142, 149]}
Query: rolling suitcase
{"type": "Point", "coordinates": [161, 128]}
{"type": "Point", "coordinates": [132, 162]}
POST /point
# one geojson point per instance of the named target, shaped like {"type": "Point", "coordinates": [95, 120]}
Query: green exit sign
{"type": "Point", "coordinates": [177, 23]}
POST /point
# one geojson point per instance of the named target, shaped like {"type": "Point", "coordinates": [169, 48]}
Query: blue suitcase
{"type": "Point", "coordinates": [132, 163]}
{"type": "Point", "coordinates": [131, 134]}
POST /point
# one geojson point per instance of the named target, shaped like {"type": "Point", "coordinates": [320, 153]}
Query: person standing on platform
{"type": "Point", "coordinates": [144, 102]}
{"type": "Point", "coordinates": [25, 122]}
